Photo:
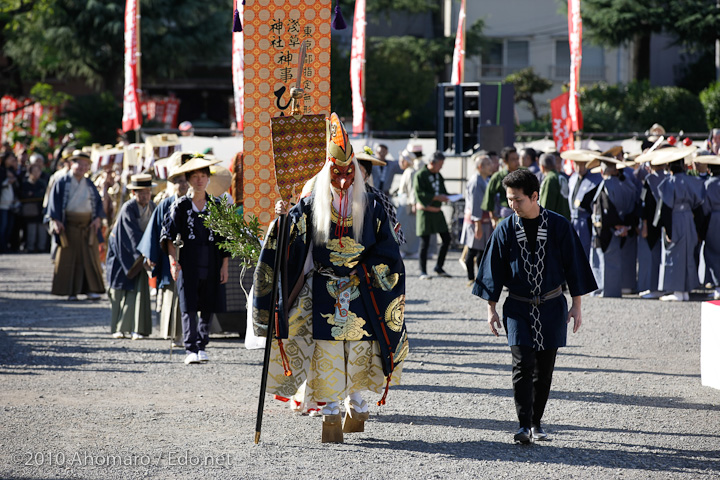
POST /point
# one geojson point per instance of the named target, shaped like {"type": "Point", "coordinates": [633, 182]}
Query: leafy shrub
{"type": "Point", "coordinates": [710, 98]}
{"type": "Point", "coordinates": [638, 105]}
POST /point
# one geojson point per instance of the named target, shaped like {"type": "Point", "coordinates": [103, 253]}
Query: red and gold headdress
{"type": "Point", "coordinates": [339, 149]}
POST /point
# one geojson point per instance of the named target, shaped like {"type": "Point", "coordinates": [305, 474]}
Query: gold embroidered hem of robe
{"type": "Point", "coordinates": [333, 369]}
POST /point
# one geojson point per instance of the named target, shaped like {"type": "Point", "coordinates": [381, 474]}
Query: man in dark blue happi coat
{"type": "Point", "coordinates": [533, 253]}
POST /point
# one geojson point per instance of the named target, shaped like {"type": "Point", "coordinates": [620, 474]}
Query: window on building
{"type": "Point", "coordinates": [592, 68]}
{"type": "Point", "coordinates": [503, 57]}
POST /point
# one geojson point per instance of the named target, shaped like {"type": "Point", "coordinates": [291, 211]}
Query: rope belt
{"type": "Point", "coordinates": [539, 299]}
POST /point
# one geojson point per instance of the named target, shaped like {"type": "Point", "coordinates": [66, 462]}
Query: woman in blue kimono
{"type": "Point", "coordinates": [199, 267]}
{"type": "Point", "coordinates": [680, 198]}
{"type": "Point", "coordinates": [533, 253]}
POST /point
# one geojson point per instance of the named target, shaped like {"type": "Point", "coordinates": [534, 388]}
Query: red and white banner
{"type": "Point", "coordinates": [458, 60]}
{"type": "Point", "coordinates": [575, 39]}
{"type": "Point", "coordinates": [21, 114]}
{"type": "Point", "coordinates": [238, 70]}
{"type": "Point", "coordinates": [561, 123]}
{"type": "Point", "coordinates": [8, 107]}
{"type": "Point", "coordinates": [36, 116]}
{"type": "Point", "coordinates": [132, 118]}
{"type": "Point", "coordinates": [163, 110]}
{"type": "Point", "coordinates": [357, 68]}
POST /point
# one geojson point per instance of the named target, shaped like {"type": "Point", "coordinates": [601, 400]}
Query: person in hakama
{"type": "Point", "coordinates": [476, 222]}
{"type": "Point", "coordinates": [613, 217]}
{"type": "Point", "coordinates": [412, 163]}
{"type": "Point", "coordinates": [430, 193]}
{"type": "Point", "coordinates": [157, 259]}
{"type": "Point", "coordinates": [649, 245]}
{"type": "Point", "coordinates": [75, 212]}
{"type": "Point", "coordinates": [128, 286]}
{"type": "Point", "coordinates": [533, 253]}
{"type": "Point", "coordinates": [494, 200]}
{"type": "Point", "coordinates": [199, 267]}
{"type": "Point", "coordinates": [582, 186]}
{"type": "Point", "coordinates": [551, 194]}
{"type": "Point", "coordinates": [629, 247]}
{"type": "Point", "coordinates": [711, 209]}
{"type": "Point", "coordinates": [680, 201]}
{"type": "Point", "coordinates": [340, 326]}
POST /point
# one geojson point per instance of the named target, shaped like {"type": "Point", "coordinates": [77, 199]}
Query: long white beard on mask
{"type": "Point", "coordinates": [323, 200]}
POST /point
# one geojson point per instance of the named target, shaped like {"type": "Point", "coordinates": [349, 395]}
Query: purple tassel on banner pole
{"type": "Point", "coordinates": [237, 26]}
{"type": "Point", "coordinates": [338, 22]}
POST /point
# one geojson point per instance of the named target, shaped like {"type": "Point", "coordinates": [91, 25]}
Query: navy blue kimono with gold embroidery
{"type": "Point", "coordinates": [345, 306]}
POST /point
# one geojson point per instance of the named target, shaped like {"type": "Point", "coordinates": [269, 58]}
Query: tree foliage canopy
{"type": "Point", "coordinates": [527, 84]}
{"type": "Point", "coordinates": [84, 38]}
{"type": "Point", "coordinates": [636, 106]}
{"type": "Point", "coordinates": [692, 23]}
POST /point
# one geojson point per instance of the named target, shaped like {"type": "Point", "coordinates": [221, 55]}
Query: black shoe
{"type": "Point", "coordinates": [442, 273]}
{"type": "Point", "coordinates": [539, 435]}
{"type": "Point", "coordinates": [522, 436]}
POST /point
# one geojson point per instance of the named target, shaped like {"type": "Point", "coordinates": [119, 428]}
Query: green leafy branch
{"type": "Point", "coordinates": [241, 238]}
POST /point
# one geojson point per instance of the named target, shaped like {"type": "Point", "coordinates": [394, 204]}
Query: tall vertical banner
{"type": "Point", "coordinates": [357, 68]}
{"type": "Point", "coordinates": [132, 118]}
{"type": "Point", "coordinates": [561, 123]}
{"type": "Point", "coordinates": [273, 31]}
{"type": "Point", "coordinates": [575, 39]}
{"type": "Point", "coordinates": [458, 60]}
{"type": "Point", "coordinates": [238, 66]}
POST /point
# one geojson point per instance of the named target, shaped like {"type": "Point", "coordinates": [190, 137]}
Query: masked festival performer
{"type": "Point", "coordinates": [533, 253]}
{"type": "Point", "coordinates": [128, 286]}
{"type": "Point", "coordinates": [157, 259]}
{"type": "Point", "coordinates": [199, 267]}
{"type": "Point", "coordinates": [341, 327]}
{"type": "Point", "coordinates": [75, 212]}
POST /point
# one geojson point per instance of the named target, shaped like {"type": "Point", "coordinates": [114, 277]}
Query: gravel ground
{"type": "Point", "coordinates": [626, 401]}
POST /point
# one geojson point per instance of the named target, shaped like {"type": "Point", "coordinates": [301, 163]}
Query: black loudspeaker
{"type": "Point", "coordinates": [477, 106]}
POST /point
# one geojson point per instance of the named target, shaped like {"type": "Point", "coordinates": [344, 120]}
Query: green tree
{"type": "Point", "coordinates": [84, 38]}
{"type": "Point", "coordinates": [692, 23]}
{"type": "Point", "coordinates": [528, 84]}
{"type": "Point", "coordinates": [402, 72]}
{"type": "Point", "coordinates": [636, 106]}
{"type": "Point", "coordinates": [710, 98]}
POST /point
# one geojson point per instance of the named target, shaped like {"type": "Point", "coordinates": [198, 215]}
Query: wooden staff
{"type": "Point", "coordinates": [277, 272]}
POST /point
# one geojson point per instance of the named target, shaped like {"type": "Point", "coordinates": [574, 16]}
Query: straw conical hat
{"type": "Point", "coordinates": [671, 154]}
{"type": "Point", "coordinates": [198, 162]}
{"type": "Point", "coordinates": [579, 155]}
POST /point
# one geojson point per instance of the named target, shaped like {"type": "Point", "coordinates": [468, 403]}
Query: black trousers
{"type": "Point", "coordinates": [196, 330]}
{"type": "Point", "coordinates": [425, 245]}
{"type": "Point", "coordinates": [472, 258]}
{"type": "Point", "coordinates": [531, 376]}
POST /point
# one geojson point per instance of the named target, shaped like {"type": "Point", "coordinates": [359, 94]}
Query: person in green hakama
{"type": "Point", "coordinates": [551, 188]}
{"type": "Point", "coordinates": [430, 192]}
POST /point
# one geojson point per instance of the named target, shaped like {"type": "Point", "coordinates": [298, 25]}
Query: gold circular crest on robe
{"type": "Point", "coordinates": [395, 314]}
{"type": "Point", "coordinates": [263, 279]}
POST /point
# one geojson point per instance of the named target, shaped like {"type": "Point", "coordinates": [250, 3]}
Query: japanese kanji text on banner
{"type": "Point", "coordinates": [273, 31]}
